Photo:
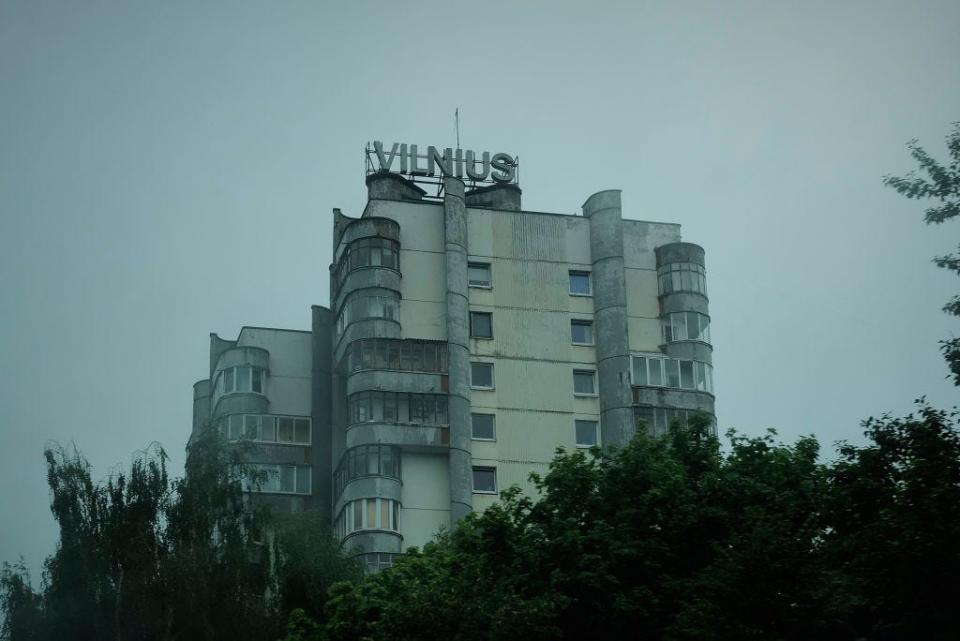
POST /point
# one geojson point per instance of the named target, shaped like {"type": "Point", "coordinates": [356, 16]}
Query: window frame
{"type": "Point", "coordinates": [596, 433]}
{"type": "Point", "coordinates": [579, 272]}
{"type": "Point", "coordinates": [581, 322]}
{"type": "Point", "coordinates": [593, 382]}
{"type": "Point", "coordinates": [493, 427]}
{"type": "Point", "coordinates": [493, 379]}
{"type": "Point", "coordinates": [474, 264]}
{"type": "Point", "coordinates": [473, 479]}
{"type": "Point", "coordinates": [489, 316]}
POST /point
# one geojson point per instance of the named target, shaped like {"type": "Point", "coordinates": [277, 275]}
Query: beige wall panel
{"type": "Point", "coordinates": [480, 233]}
{"type": "Point", "coordinates": [525, 334]}
{"type": "Point", "coordinates": [423, 320]}
{"type": "Point", "coordinates": [645, 334]}
{"type": "Point", "coordinates": [420, 280]}
{"type": "Point", "coordinates": [425, 497]}
{"type": "Point", "coordinates": [536, 285]}
{"type": "Point", "coordinates": [529, 236]}
{"type": "Point", "coordinates": [642, 293]}
{"type": "Point", "coordinates": [577, 241]}
{"type": "Point", "coordinates": [421, 224]}
{"type": "Point", "coordinates": [641, 237]}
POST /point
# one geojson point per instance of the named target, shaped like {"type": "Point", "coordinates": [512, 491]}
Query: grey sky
{"type": "Point", "coordinates": [167, 169]}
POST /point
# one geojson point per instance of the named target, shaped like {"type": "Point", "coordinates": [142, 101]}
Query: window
{"type": "Point", "coordinates": [374, 562]}
{"type": "Point", "coordinates": [268, 429]}
{"type": "Point", "coordinates": [485, 480]}
{"type": "Point", "coordinates": [583, 382]}
{"type": "Point", "coordinates": [483, 427]}
{"type": "Point", "coordinates": [398, 407]}
{"type": "Point", "coordinates": [478, 275]}
{"type": "Point", "coordinates": [290, 479]}
{"type": "Point", "coordinates": [682, 277]}
{"type": "Point", "coordinates": [481, 325]}
{"type": "Point", "coordinates": [241, 379]}
{"type": "Point", "coordinates": [586, 433]}
{"type": "Point", "coordinates": [658, 420]}
{"type": "Point", "coordinates": [681, 326]}
{"type": "Point", "coordinates": [366, 460]}
{"type": "Point", "coordinates": [368, 252]}
{"type": "Point", "coordinates": [368, 514]}
{"type": "Point", "coordinates": [580, 283]}
{"type": "Point", "coordinates": [481, 375]}
{"type": "Point", "coordinates": [671, 372]}
{"type": "Point", "coordinates": [581, 332]}
{"type": "Point", "coordinates": [360, 308]}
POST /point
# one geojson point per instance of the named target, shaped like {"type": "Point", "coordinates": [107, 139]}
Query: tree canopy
{"type": "Point", "coordinates": [940, 184]}
{"type": "Point", "coordinates": [669, 538]}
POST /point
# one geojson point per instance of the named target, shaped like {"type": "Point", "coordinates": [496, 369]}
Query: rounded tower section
{"type": "Point", "coordinates": [365, 281]}
{"type": "Point", "coordinates": [682, 382]}
{"type": "Point", "coordinates": [365, 290]}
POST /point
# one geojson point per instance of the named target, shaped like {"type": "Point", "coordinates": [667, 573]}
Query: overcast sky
{"type": "Point", "coordinates": [168, 169]}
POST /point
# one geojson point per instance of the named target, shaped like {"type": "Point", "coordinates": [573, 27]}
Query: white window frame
{"type": "Point", "coordinates": [493, 376]}
{"type": "Point", "coordinates": [596, 427]}
{"type": "Point", "coordinates": [276, 429]}
{"type": "Point", "coordinates": [488, 468]}
{"type": "Point", "coordinates": [476, 264]}
{"type": "Point", "coordinates": [493, 418]}
{"type": "Point", "coordinates": [344, 523]}
{"type": "Point", "coordinates": [275, 467]}
{"type": "Point", "coordinates": [580, 272]}
{"type": "Point", "coordinates": [489, 316]}
{"type": "Point", "coordinates": [593, 382]}
{"type": "Point", "coordinates": [705, 368]}
{"type": "Point", "coordinates": [221, 383]}
{"type": "Point", "coordinates": [582, 322]}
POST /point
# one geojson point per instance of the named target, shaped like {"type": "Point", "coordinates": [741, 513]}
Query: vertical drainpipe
{"type": "Point", "coordinates": [610, 317]}
{"type": "Point", "coordinates": [458, 334]}
{"type": "Point", "coordinates": [322, 411]}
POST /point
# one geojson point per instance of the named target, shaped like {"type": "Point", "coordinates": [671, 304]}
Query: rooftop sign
{"type": "Point", "coordinates": [405, 159]}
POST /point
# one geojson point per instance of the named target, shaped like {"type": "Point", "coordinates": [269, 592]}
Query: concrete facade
{"type": "Point", "coordinates": [466, 340]}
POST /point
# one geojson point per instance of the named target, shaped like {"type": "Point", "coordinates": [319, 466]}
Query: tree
{"type": "Point", "coordinates": [893, 508]}
{"type": "Point", "coordinates": [941, 185]}
{"type": "Point", "coordinates": [664, 539]}
{"type": "Point", "coordinates": [144, 557]}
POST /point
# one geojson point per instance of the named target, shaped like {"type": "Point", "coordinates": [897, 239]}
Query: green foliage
{"type": "Point", "coordinates": [144, 557]}
{"type": "Point", "coordinates": [669, 539]}
{"type": "Point", "coordinates": [309, 560]}
{"type": "Point", "coordinates": [942, 185]}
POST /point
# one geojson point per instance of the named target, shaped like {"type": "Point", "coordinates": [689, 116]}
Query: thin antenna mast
{"type": "Point", "coordinates": [456, 120]}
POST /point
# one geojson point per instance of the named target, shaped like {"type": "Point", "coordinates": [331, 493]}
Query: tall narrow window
{"type": "Point", "coordinates": [586, 433]}
{"type": "Point", "coordinates": [580, 283]}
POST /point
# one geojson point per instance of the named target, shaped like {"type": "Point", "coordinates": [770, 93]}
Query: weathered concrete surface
{"type": "Point", "coordinates": [322, 411]}
{"type": "Point", "coordinates": [610, 317]}
{"type": "Point", "coordinates": [458, 336]}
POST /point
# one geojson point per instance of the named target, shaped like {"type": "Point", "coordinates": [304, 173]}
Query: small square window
{"type": "Point", "coordinates": [481, 375]}
{"type": "Point", "coordinates": [485, 480]}
{"type": "Point", "coordinates": [483, 427]}
{"type": "Point", "coordinates": [583, 382]}
{"type": "Point", "coordinates": [580, 283]}
{"type": "Point", "coordinates": [481, 325]}
{"type": "Point", "coordinates": [581, 332]}
{"type": "Point", "coordinates": [586, 433]}
{"type": "Point", "coordinates": [478, 275]}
